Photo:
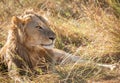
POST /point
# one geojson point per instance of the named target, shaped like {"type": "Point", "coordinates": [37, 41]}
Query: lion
{"type": "Point", "coordinates": [30, 45]}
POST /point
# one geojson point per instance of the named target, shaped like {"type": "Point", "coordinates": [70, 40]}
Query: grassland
{"type": "Point", "coordinates": [88, 28]}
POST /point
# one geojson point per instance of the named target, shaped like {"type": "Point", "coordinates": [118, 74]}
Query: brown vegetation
{"type": "Point", "coordinates": [89, 28]}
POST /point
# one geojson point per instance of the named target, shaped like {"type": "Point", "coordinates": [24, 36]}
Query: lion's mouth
{"type": "Point", "coordinates": [47, 44]}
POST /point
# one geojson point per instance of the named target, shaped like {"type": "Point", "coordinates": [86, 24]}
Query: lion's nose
{"type": "Point", "coordinates": [52, 38]}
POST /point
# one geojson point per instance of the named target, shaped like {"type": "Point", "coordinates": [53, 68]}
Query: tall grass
{"type": "Point", "coordinates": [88, 28]}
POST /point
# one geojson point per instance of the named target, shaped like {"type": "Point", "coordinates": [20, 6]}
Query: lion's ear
{"type": "Point", "coordinates": [17, 21]}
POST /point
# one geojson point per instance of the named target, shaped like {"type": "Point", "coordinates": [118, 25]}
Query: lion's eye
{"type": "Point", "coordinates": [38, 27]}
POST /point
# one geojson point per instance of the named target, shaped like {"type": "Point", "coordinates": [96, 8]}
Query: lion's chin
{"type": "Point", "coordinates": [48, 46]}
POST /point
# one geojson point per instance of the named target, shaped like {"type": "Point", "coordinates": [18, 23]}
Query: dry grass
{"type": "Point", "coordinates": [83, 28]}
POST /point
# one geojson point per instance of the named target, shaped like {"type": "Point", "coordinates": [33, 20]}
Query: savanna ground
{"type": "Point", "coordinates": [88, 28]}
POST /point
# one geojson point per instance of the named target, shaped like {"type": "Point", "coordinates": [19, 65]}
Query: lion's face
{"type": "Point", "coordinates": [36, 30]}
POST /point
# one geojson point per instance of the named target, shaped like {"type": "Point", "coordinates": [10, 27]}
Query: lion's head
{"type": "Point", "coordinates": [28, 41]}
{"type": "Point", "coordinates": [34, 30]}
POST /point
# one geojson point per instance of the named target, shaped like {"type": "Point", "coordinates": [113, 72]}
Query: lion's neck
{"type": "Point", "coordinates": [31, 54]}
{"type": "Point", "coordinates": [15, 45]}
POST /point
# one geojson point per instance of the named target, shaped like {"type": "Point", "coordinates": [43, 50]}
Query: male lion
{"type": "Point", "coordinates": [30, 45]}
